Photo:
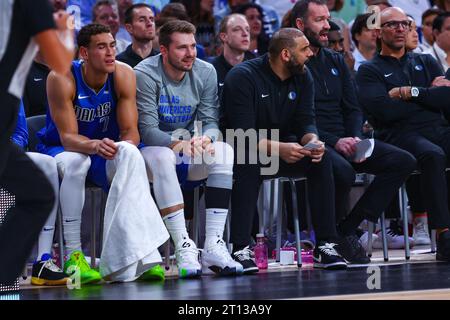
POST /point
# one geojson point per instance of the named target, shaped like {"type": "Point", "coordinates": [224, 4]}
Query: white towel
{"type": "Point", "coordinates": [133, 228]}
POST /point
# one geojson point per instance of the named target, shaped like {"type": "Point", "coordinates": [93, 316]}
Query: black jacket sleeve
{"type": "Point", "coordinates": [374, 97]}
{"type": "Point", "coordinates": [353, 117]}
{"type": "Point", "coordinates": [432, 98]}
{"type": "Point", "coordinates": [238, 100]}
{"type": "Point", "coordinates": [304, 118]}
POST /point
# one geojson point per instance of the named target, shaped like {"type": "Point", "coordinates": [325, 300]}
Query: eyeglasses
{"type": "Point", "coordinates": [406, 24]}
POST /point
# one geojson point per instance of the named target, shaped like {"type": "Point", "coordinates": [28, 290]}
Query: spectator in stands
{"type": "Point", "coordinates": [339, 122]}
{"type": "Point", "coordinates": [286, 20]}
{"type": "Point", "coordinates": [364, 38]}
{"type": "Point", "coordinates": [382, 4]}
{"type": "Point", "coordinates": [235, 35]}
{"type": "Point", "coordinates": [336, 43]}
{"type": "Point", "coordinates": [427, 28]}
{"type": "Point", "coordinates": [441, 47]}
{"type": "Point", "coordinates": [336, 6]}
{"type": "Point", "coordinates": [105, 12]}
{"type": "Point", "coordinates": [85, 10]}
{"type": "Point", "coordinates": [415, 8]}
{"type": "Point", "coordinates": [270, 18]}
{"type": "Point", "coordinates": [412, 38]}
{"type": "Point", "coordinates": [122, 34]}
{"type": "Point", "coordinates": [395, 88]}
{"type": "Point", "coordinates": [443, 5]}
{"type": "Point", "coordinates": [258, 40]}
{"type": "Point", "coordinates": [140, 23]}
{"type": "Point", "coordinates": [176, 10]}
{"type": "Point", "coordinates": [201, 13]}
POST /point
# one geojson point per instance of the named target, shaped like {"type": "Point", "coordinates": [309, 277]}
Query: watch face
{"type": "Point", "coordinates": [414, 92]}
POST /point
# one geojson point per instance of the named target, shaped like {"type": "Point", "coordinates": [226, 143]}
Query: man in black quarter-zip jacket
{"type": "Point", "coordinates": [339, 123]}
{"type": "Point", "coordinates": [275, 92]}
{"type": "Point", "coordinates": [406, 97]}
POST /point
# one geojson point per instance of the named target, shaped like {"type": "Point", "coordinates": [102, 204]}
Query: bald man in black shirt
{"type": "Point", "coordinates": [276, 92]}
{"type": "Point", "coordinates": [397, 89]}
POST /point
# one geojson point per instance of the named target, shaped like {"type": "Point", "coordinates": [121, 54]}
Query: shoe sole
{"type": "Point", "coordinates": [152, 278]}
{"type": "Point", "coordinates": [331, 266]}
{"type": "Point", "coordinates": [90, 280]}
{"type": "Point", "coordinates": [251, 270]}
{"type": "Point", "coordinates": [227, 271]}
{"type": "Point", "coordinates": [45, 282]}
{"type": "Point", "coordinates": [422, 242]}
{"type": "Point", "coordinates": [185, 273]}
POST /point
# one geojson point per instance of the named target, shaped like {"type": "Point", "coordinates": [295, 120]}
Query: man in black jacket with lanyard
{"type": "Point", "coordinates": [405, 95]}
{"type": "Point", "coordinates": [276, 92]}
{"type": "Point", "coordinates": [339, 122]}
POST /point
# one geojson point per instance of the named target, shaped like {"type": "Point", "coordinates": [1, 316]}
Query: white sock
{"type": "Point", "coordinates": [176, 225]}
{"type": "Point", "coordinates": [72, 234]}
{"type": "Point", "coordinates": [45, 241]}
{"type": "Point", "coordinates": [215, 224]}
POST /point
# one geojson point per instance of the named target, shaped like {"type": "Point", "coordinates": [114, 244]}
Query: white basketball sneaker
{"type": "Point", "coordinates": [215, 256]}
{"type": "Point", "coordinates": [186, 254]}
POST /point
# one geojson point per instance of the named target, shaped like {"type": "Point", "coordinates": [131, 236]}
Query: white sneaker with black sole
{"type": "Point", "coordinates": [215, 257]}
{"type": "Point", "coordinates": [246, 258]}
{"type": "Point", "coordinates": [326, 257]}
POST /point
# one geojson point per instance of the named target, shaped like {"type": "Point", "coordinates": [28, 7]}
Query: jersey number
{"type": "Point", "coordinates": [105, 121]}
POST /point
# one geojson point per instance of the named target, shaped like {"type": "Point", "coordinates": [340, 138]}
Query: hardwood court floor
{"type": "Point", "coordinates": [420, 278]}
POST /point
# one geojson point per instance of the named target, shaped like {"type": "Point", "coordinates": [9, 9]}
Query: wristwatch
{"type": "Point", "coordinates": [414, 92]}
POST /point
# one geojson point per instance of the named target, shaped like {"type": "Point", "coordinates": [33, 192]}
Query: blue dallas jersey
{"type": "Point", "coordinates": [96, 113]}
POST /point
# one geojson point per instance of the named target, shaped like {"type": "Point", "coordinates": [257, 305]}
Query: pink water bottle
{"type": "Point", "coordinates": [261, 252]}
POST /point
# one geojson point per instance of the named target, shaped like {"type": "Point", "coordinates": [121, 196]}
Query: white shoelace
{"type": "Point", "coordinates": [188, 254]}
{"type": "Point", "coordinates": [244, 254]}
{"type": "Point", "coordinates": [328, 249]}
{"type": "Point", "coordinates": [219, 249]}
{"type": "Point", "coordinates": [49, 264]}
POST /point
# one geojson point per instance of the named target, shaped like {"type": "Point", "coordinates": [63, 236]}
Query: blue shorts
{"type": "Point", "coordinates": [182, 174]}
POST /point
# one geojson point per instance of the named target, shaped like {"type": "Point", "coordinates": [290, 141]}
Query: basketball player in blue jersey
{"type": "Point", "coordinates": [90, 110]}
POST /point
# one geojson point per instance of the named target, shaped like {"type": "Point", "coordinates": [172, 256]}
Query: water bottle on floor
{"type": "Point", "coordinates": [261, 252]}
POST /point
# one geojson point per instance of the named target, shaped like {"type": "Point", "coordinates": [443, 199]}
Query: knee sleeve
{"type": "Point", "coordinates": [159, 161]}
{"type": "Point", "coordinates": [73, 165]}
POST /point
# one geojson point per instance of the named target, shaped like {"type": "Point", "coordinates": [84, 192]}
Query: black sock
{"type": "Point", "coordinates": [217, 198]}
